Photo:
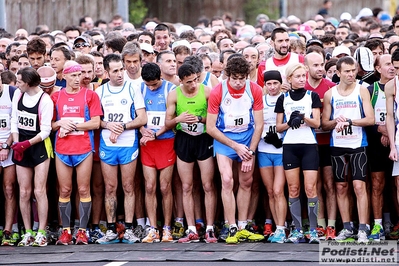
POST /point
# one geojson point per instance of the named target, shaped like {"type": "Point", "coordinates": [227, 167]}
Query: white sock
{"type": "Point", "coordinates": [242, 224]}
{"type": "Point", "coordinates": [368, 227]}
{"type": "Point", "coordinates": [141, 221]}
{"type": "Point", "coordinates": [378, 221]}
{"type": "Point", "coordinates": [279, 227]}
{"type": "Point", "coordinates": [232, 225]}
{"type": "Point", "coordinates": [179, 220]}
{"type": "Point", "coordinates": [192, 228]}
{"type": "Point", "coordinates": [147, 221]}
{"type": "Point", "coordinates": [209, 227]}
{"type": "Point", "coordinates": [268, 221]}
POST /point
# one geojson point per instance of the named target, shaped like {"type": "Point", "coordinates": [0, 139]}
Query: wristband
{"type": "Point", "coordinates": [349, 121]}
{"type": "Point", "coordinates": [155, 135]}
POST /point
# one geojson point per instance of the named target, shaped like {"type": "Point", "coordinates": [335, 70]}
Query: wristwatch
{"type": "Point", "coordinates": [349, 121]}
{"type": "Point", "coordinates": [5, 146]}
{"type": "Point", "coordinates": [251, 152]}
{"type": "Point", "coordinates": [199, 119]}
{"type": "Point", "coordinates": [124, 126]}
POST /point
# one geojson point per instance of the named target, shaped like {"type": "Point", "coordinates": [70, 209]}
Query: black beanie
{"type": "Point", "coordinates": [272, 75]}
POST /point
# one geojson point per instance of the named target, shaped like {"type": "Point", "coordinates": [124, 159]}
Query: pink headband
{"type": "Point", "coordinates": [71, 69]}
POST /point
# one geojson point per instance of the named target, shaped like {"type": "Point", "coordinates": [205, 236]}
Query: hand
{"type": "Point", "coordinates": [63, 132]}
{"type": "Point", "coordinates": [246, 166]}
{"type": "Point", "coordinates": [4, 154]}
{"type": "Point", "coordinates": [341, 126]}
{"type": "Point", "coordinates": [292, 117]}
{"type": "Point", "coordinates": [384, 141]}
{"type": "Point", "coordinates": [19, 149]}
{"type": "Point", "coordinates": [285, 87]}
{"type": "Point", "coordinates": [67, 125]}
{"type": "Point", "coordinates": [393, 155]}
{"type": "Point", "coordinates": [272, 138]}
{"type": "Point", "coordinates": [146, 132]}
{"type": "Point", "coordinates": [296, 122]}
{"type": "Point", "coordinates": [185, 117]}
{"type": "Point", "coordinates": [115, 128]}
{"type": "Point", "coordinates": [383, 130]}
{"type": "Point", "coordinates": [340, 118]}
{"type": "Point", "coordinates": [243, 152]}
{"type": "Point", "coordinates": [144, 140]}
{"type": "Point", "coordinates": [113, 137]}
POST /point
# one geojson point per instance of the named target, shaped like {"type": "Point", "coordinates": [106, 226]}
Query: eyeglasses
{"type": "Point", "coordinates": [81, 44]}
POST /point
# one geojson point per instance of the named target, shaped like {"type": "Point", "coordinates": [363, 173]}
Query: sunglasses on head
{"type": "Point", "coordinates": [81, 44]}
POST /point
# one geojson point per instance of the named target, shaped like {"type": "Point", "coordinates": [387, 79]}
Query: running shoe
{"type": "Point", "coordinates": [177, 231]}
{"type": "Point", "coordinates": [139, 232]}
{"type": "Point", "coordinates": [244, 235]}
{"type": "Point", "coordinates": [345, 235]}
{"type": "Point", "coordinates": [152, 236]}
{"type": "Point", "coordinates": [321, 232]}
{"type": "Point", "coordinates": [27, 240]}
{"type": "Point", "coordinates": [95, 235]}
{"type": "Point", "coordinates": [210, 237]}
{"type": "Point", "coordinates": [40, 240]}
{"type": "Point", "coordinates": [267, 230]}
{"type": "Point", "coordinates": [296, 236]}
{"type": "Point", "coordinates": [120, 229]}
{"type": "Point", "coordinates": [7, 239]}
{"type": "Point", "coordinates": [252, 227]}
{"type": "Point", "coordinates": [232, 237]}
{"type": "Point", "coordinates": [270, 238]}
{"type": "Point", "coordinates": [395, 232]}
{"type": "Point", "coordinates": [81, 238]}
{"type": "Point", "coordinates": [166, 235]}
{"type": "Point", "coordinates": [190, 237]}
{"type": "Point", "coordinates": [129, 237]}
{"type": "Point", "coordinates": [377, 233]}
{"type": "Point", "coordinates": [109, 238]}
{"type": "Point", "coordinates": [362, 237]}
{"type": "Point", "coordinates": [65, 238]}
{"type": "Point", "coordinates": [224, 233]}
{"type": "Point", "coordinates": [330, 233]}
{"type": "Point", "coordinates": [314, 237]}
{"type": "Point", "coordinates": [103, 228]}
{"type": "Point", "coordinates": [1, 233]}
{"type": "Point", "coordinates": [200, 230]}
{"type": "Point", "coordinates": [278, 236]}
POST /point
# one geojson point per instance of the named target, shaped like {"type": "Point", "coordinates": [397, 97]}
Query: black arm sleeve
{"type": "Point", "coordinates": [279, 108]}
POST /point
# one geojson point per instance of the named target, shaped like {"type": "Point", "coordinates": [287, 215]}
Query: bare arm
{"type": "Point", "coordinates": [315, 120]}
{"type": "Point", "coordinates": [326, 123]}
{"type": "Point", "coordinates": [390, 119]}
{"type": "Point", "coordinates": [280, 126]}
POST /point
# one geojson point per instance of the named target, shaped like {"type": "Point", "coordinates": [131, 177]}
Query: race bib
{"type": "Point", "coordinates": [4, 122]}
{"type": "Point", "coordinates": [156, 119]}
{"type": "Point", "coordinates": [27, 121]}
{"type": "Point", "coordinates": [192, 129]}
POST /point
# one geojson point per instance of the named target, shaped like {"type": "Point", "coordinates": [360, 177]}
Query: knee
{"type": "Point", "coordinates": [150, 188]}
{"type": "Point", "coordinates": [166, 189]}
{"type": "Point", "coordinates": [65, 192]}
{"type": "Point", "coordinates": [9, 191]}
{"type": "Point", "coordinates": [128, 188]}
{"type": "Point", "coordinates": [278, 193]}
{"type": "Point", "coordinates": [246, 183]}
{"type": "Point", "coordinates": [293, 191]}
{"type": "Point", "coordinates": [341, 189]}
{"type": "Point", "coordinates": [359, 188]}
{"type": "Point", "coordinates": [187, 188]}
{"type": "Point", "coordinates": [40, 192]}
{"type": "Point", "coordinates": [208, 187]}
{"type": "Point", "coordinates": [84, 191]}
{"type": "Point", "coordinates": [310, 191]}
{"type": "Point", "coordinates": [227, 183]}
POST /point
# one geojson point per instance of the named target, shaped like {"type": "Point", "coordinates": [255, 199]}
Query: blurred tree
{"type": "Point", "coordinates": [137, 12]}
{"type": "Point", "coordinates": [252, 8]}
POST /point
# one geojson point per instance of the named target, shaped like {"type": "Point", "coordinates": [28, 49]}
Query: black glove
{"type": "Point", "coordinates": [296, 122]}
{"type": "Point", "coordinates": [292, 117]}
{"type": "Point", "coordinates": [272, 138]}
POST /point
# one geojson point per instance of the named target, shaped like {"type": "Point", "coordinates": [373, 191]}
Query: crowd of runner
{"type": "Point", "coordinates": [282, 132]}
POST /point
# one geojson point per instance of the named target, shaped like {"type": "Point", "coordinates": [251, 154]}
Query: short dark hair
{"type": "Point", "coordinates": [372, 44]}
{"type": "Point", "coordinates": [395, 56]}
{"type": "Point", "coordinates": [349, 60]}
{"type": "Point", "coordinates": [186, 70]}
{"type": "Point", "coordinates": [116, 44]}
{"type": "Point", "coordinates": [161, 27]}
{"type": "Point", "coordinates": [237, 66]}
{"type": "Point", "coordinates": [147, 33]}
{"type": "Point", "coordinates": [64, 50]}
{"type": "Point", "coordinates": [9, 47]}
{"type": "Point", "coordinates": [7, 77]}
{"type": "Point", "coordinates": [277, 30]}
{"type": "Point", "coordinates": [72, 28]}
{"type": "Point", "coordinates": [151, 72]}
{"type": "Point", "coordinates": [84, 60]}
{"type": "Point", "coordinates": [195, 61]}
{"type": "Point", "coordinates": [394, 45]}
{"type": "Point", "coordinates": [36, 45]}
{"type": "Point", "coordinates": [221, 57]}
{"type": "Point", "coordinates": [30, 76]}
{"type": "Point", "coordinates": [159, 56]}
{"type": "Point", "coordinates": [111, 58]}
{"type": "Point", "coordinates": [394, 19]}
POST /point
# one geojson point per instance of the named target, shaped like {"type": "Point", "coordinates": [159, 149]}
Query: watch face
{"type": "Point", "coordinates": [4, 146]}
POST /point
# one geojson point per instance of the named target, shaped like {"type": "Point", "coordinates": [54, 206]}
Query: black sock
{"type": "Point", "coordinates": [128, 225]}
{"type": "Point", "coordinates": [112, 226]}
